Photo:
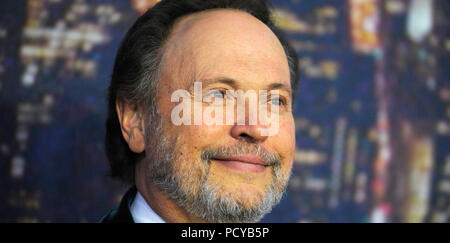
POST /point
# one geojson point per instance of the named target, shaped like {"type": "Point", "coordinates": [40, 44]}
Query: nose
{"type": "Point", "coordinates": [248, 127]}
{"type": "Point", "coordinates": [248, 133]}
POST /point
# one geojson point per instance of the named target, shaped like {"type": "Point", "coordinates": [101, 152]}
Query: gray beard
{"type": "Point", "coordinates": [206, 201]}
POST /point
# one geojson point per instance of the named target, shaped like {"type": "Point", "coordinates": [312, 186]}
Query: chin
{"type": "Point", "coordinates": [247, 195]}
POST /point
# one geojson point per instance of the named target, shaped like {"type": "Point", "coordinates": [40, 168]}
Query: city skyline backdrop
{"type": "Point", "coordinates": [372, 111]}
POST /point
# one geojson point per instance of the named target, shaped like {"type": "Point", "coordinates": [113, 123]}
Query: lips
{"type": "Point", "coordinates": [243, 162]}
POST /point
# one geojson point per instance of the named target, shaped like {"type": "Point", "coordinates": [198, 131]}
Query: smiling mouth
{"type": "Point", "coordinates": [243, 162]}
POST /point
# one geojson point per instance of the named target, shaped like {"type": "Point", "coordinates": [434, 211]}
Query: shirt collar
{"type": "Point", "coordinates": [142, 212]}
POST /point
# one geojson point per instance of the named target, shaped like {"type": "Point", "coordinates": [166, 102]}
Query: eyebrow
{"type": "Point", "coordinates": [280, 86]}
{"type": "Point", "coordinates": [233, 83]}
{"type": "Point", "coordinates": [229, 81]}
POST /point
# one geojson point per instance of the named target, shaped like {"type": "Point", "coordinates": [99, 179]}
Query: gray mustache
{"type": "Point", "coordinates": [241, 149]}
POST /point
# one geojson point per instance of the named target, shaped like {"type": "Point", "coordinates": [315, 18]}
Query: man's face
{"type": "Point", "coordinates": [233, 165]}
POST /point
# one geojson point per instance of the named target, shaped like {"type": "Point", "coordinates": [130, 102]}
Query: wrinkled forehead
{"type": "Point", "coordinates": [216, 39]}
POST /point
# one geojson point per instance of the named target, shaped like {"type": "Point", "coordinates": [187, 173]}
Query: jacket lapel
{"type": "Point", "coordinates": [122, 213]}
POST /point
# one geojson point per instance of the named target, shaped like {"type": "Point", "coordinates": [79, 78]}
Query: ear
{"type": "Point", "coordinates": [131, 124]}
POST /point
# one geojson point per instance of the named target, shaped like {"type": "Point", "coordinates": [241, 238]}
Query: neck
{"type": "Point", "coordinates": [165, 207]}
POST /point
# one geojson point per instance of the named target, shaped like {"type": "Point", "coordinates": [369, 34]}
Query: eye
{"type": "Point", "coordinates": [216, 94]}
{"type": "Point", "coordinates": [276, 101]}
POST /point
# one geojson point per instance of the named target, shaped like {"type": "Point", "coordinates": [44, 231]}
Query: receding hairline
{"type": "Point", "coordinates": [183, 25]}
{"type": "Point", "coordinates": [189, 20]}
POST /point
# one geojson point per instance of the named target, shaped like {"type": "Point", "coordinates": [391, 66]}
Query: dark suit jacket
{"type": "Point", "coordinates": [122, 213]}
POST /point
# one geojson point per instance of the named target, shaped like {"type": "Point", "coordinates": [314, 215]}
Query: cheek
{"type": "Point", "coordinates": [284, 142]}
{"type": "Point", "coordinates": [202, 136]}
{"type": "Point", "coordinates": [193, 139]}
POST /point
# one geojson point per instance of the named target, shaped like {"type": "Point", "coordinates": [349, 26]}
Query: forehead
{"type": "Point", "coordinates": [224, 43]}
